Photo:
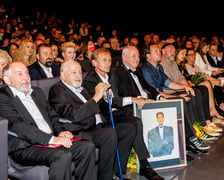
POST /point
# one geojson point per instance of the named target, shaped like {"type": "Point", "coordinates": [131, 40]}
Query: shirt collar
{"type": "Point", "coordinates": [129, 68]}
{"type": "Point", "coordinates": [48, 69]}
{"type": "Point", "coordinates": [78, 90]}
{"type": "Point", "coordinates": [16, 92]}
{"type": "Point", "coordinates": [104, 79]}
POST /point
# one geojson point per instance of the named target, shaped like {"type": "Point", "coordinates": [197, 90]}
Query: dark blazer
{"type": "Point", "coordinates": [68, 105]}
{"type": "Point", "coordinates": [36, 72]}
{"type": "Point", "coordinates": [92, 79]}
{"type": "Point", "coordinates": [219, 64]}
{"type": "Point", "coordinates": [22, 123]}
{"type": "Point", "coordinates": [128, 87]}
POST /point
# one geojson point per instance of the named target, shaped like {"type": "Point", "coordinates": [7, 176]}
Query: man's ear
{"type": "Point", "coordinates": [7, 80]}
{"type": "Point", "coordinates": [94, 63]}
{"type": "Point", "coordinates": [62, 76]}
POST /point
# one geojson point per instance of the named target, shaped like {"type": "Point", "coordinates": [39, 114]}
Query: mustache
{"type": "Point", "coordinates": [49, 62]}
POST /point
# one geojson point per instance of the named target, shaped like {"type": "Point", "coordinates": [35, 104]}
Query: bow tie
{"type": "Point", "coordinates": [133, 72]}
{"type": "Point", "coordinates": [79, 89]}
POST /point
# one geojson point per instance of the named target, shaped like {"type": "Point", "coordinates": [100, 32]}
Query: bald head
{"type": "Point", "coordinates": [71, 73]}
{"type": "Point", "coordinates": [130, 57]}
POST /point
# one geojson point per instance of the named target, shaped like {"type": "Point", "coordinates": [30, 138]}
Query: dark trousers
{"type": "Point", "coordinates": [59, 160]}
{"type": "Point", "coordinates": [218, 94]}
{"type": "Point", "coordinates": [188, 116]}
{"type": "Point", "coordinates": [106, 140]}
{"type": "Point", "coordinates": [200, 106]}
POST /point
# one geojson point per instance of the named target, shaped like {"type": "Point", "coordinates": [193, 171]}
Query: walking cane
{"type": "Point", "coordinates": [112, 123]}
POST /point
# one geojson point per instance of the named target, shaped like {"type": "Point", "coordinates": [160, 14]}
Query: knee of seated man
{"type": "Point", "coordinates": [87, 147]}
{"type": "Point", "coordinates": [111, 136]}
{"type": "Point", "coordinates": [63, 155]}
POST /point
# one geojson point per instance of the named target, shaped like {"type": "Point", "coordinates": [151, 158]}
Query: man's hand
{"type": "Point", "coordinates": [66, 134]}
{"type": "Point", "coordinates": [100, 90]}
{"type": "Point", "coordinates": [140, 101]}
{"type": "Point", "coordinates": [185, 97]}
{"type": "Point", "coordinates": [66, 142]}
{"type": "Point", "coordinates": [189, 90]}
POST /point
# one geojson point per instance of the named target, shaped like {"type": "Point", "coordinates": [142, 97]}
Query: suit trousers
{"type": "Point", "coordinates": [106, 140]}
{"type": "Point", "coordinates": [188, 116]}
{"type": "Point", "coordinates": [59, 160]}
{"type": "Point", "coordinates": [138, 142]}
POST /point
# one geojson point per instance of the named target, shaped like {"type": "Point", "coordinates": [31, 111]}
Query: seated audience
{"type": "Point", "coordinates": [154, 75]}
{"type": "Point", "coordinates": [72, 103]}
{"type": "Point", "coordinates": [102, 73]}
{"type": "Point", "coordinates": [32, 121]}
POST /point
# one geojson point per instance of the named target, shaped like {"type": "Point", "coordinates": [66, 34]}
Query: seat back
{"type": "Point", "coordinates": [45, 84]}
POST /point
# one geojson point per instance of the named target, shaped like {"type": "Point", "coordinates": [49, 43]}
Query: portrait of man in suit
{"type": "Point", "coordinates": [160, 138]}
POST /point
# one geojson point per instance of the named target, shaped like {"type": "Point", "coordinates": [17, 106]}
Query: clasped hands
{"type": "Point", "coordinates": [64, 139]}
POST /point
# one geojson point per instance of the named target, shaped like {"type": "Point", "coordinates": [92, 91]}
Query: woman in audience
{"type": "Point", "coordinates": [5, 59]}
{"type": "Point", "coordinates": [55, 52]}
{"type": "Point", "coordinates": [12, 49]}
{"type": "Point", "coordinates": [26, 52]}
{"type": "Point", "coordinates": [180, 59]}
{"type": "Point", "coordinates": [68, 51]}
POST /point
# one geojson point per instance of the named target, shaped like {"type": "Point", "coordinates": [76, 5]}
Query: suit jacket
{"type": "Point", "coordinates": [219, 64]}
{"type": "Point", "coordinates": [160, 147]}
{"type": "Point", "coordinates": [36, 72]}
{"type": "Point", "coordinates": [22, 123]}
{"type": "Point", "coordinates": [92, 79]}
{"type": "Point", "coordinates": [70, 107]}
{"type": "Point", "coordinates": [128, 87]}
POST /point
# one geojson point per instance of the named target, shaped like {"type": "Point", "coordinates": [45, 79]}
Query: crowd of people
{"type": "Point", "coordinates": [134, 70]}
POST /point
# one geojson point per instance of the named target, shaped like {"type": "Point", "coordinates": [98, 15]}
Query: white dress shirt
{"type": "Point", "coordinates": [126, 100]}
{"type": "Point", "coordinates": [47, 70]}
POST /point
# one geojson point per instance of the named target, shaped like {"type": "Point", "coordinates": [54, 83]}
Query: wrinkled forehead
{"type": "Point", "coordinates": [17, 66]}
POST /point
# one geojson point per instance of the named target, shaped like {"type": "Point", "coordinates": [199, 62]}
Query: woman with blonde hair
{"type": "Point", "coordinates": [26, 52]}
{"type": "Point", "coordinates": [5, 59]}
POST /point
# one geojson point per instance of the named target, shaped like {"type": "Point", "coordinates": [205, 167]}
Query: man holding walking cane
{"type": "Point", "coordinates": [81, 115]}
{"type": "Point", "coordinates": [102, 73]}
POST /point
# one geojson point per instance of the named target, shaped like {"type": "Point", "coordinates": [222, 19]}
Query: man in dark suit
{"type": "Point", "coordinates": [121, 106]}
{"type": "Point", "coordinates": [212, 57]}
{"type": "Point", "coordinates": [44, 67]}
{"type": "Point", "coordinates": [82, 115]}
{"type": "Point", "coordinates": [160, 138]}
{"type": "Point", "coordinates": [32, 121]}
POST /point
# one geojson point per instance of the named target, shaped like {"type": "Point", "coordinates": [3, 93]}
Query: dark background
{"type": "Point", "coordinates": [135, 17]}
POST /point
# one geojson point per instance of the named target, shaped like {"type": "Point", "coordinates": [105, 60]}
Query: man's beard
{"type": "Point", "coordinates": [76, 84]}
{"type": "Point", "coordinates": [25, 89]}
{"type": "Point", "coordinates": [49, 62]}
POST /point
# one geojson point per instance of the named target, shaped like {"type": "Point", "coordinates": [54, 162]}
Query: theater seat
{"type": "Point", "coordinates": [3, 148]}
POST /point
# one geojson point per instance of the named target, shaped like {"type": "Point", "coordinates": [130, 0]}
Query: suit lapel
{"type": "Point", "coordinates": [131, 78]}
{"type": "Point", "coordinates": [72, 94]}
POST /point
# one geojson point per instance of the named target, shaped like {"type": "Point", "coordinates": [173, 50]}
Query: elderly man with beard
{"type": "Point", "coordinates": [44, 67]}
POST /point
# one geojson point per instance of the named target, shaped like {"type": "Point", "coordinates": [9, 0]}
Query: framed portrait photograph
{"type": "Point", "coordinates": [164, 133]}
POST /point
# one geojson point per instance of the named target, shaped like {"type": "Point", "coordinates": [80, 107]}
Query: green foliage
{"type": "Point", "coordinates": [197, 78]}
